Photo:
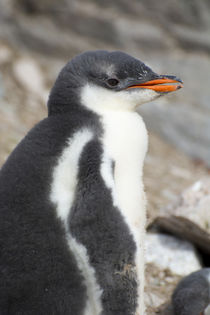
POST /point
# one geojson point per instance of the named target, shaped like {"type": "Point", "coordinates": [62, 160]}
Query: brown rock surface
{"type": "Point", "coordinates": [189, 216]}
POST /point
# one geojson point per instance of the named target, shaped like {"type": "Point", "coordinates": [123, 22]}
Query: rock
{"type": "Point", "coordinates": [189, 217]}
{"type": "Point", "coordinates": [185, 229]}
{"type": "Point", "coordinates": [153, 300]}
{"type": "Point", "coordinates": [165, 309]}
{"type": "Point", "coordinates": [168, 252]}
{"type": "Point", "coordinates": [159, 285]}
{"type": "Point", "coordinates": [5, 54]}
{"type": "Point", "coordinates": [194, 204]}
{"type": "Point", "coordinates": [30, 76]}
{"type": "Point", "coordinates": [1, 87]}
{"type": "Point", "coordinates": [183, 118]}
{"type": "Point", "coordinates": [191, 40]}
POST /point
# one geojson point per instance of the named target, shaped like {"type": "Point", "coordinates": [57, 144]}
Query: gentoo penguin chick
{"type": "Point", "coordinates": [192, 295]}
{"type": "Point", "coordinates": [72, 204]}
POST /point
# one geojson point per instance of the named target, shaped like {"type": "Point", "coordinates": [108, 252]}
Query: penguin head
{"type": "Point", "coordinates": [102, 80]}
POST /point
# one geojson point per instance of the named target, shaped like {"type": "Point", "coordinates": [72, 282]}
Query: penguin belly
{"type": "Point", "coordinates": [125, 141]}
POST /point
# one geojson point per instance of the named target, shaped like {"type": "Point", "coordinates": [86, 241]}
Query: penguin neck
{"type": "Point", "coordinates": [125, 143]}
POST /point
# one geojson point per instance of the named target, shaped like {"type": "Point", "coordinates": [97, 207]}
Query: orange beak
{"type": "Point", "coordinates": [160, 85]}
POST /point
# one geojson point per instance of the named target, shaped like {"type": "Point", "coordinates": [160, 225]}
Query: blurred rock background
{"type": "Point", "coordinates": [173, 37]}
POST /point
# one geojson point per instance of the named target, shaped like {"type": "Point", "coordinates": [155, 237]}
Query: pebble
{"type": "Point", "coordinates": [168, 252]}
{"type": "Point", "coordinates": [5, 54]}
{"type": "Point", "coordinates": [193, 204]}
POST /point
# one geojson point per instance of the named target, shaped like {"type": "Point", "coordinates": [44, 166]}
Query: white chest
{"type": "Point", "coordinates": [125, 142]}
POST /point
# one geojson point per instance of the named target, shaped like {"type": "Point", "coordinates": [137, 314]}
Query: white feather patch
{"type": "Point", "coordinates": [107, 175]}
{"type": "Point", "coordinates": [101, 100]}
{"type": "Point", "coordinates": [65, 173]}
{"type": "Point", "coordinates": [94, 292]}
{"type": "Point", "coordinates": [62, 195]}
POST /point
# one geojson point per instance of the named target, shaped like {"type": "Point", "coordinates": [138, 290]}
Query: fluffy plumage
{"type": "Point", "coordinates": [192, 295]}
{"type": "Point", "coordinates": [71, 241]}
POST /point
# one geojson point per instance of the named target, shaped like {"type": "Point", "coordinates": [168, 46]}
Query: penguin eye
{"type": "Point", "coordinates": [112, 82]}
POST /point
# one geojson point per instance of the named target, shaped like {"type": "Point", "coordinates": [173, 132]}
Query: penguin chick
{"type": "Point", "coordinates": [192, 295]}
{"type": "Point", "coordinates": [72, 203]}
